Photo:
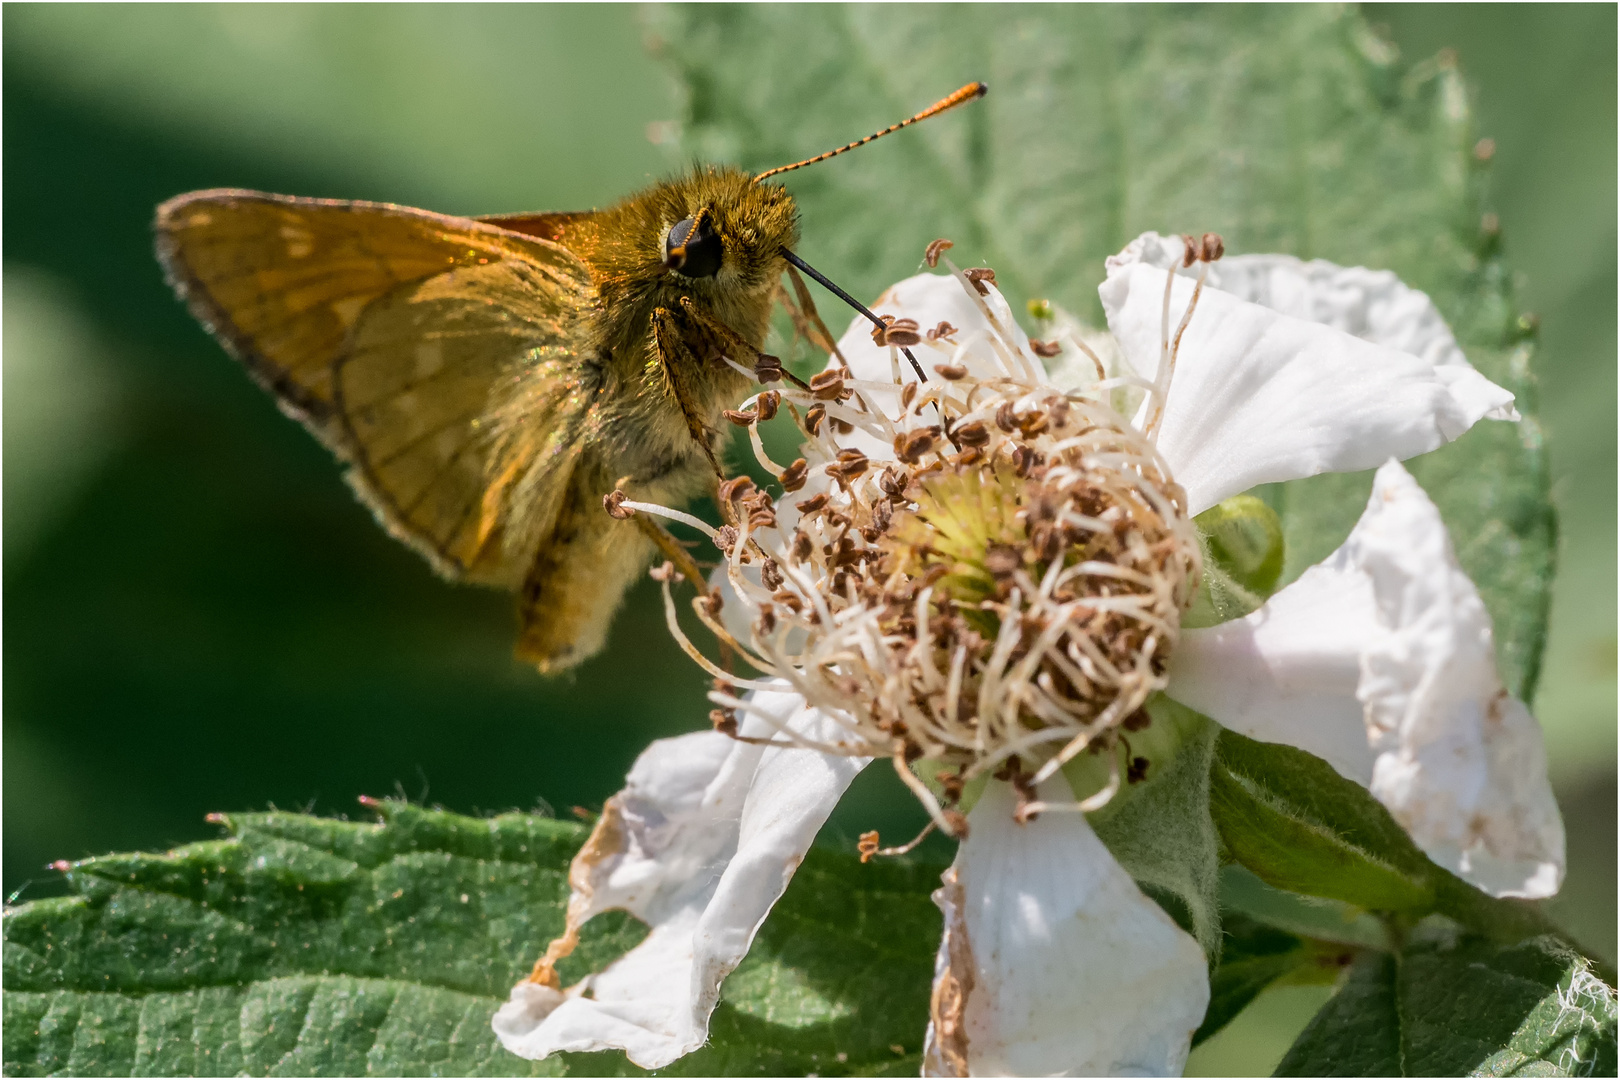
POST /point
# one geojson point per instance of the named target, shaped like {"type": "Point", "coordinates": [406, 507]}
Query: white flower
{"type": "Point", "coordinates": [1379, 660]}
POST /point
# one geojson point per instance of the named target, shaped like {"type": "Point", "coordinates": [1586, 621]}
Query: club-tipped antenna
{"type": "Point", "coordinates": [827, 284]}
{"type": "Point", "coordinates": [968, 93]}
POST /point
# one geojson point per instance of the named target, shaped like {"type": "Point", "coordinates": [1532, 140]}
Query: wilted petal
{"type": "Point", "coordinates": [1053, 962]}
{"type": "Point", "coordinates": [1259, 396]}
{"type": "Point", "coordinates": [1392, 619]}
{"type": "Point", "coordinates": [700, 844]}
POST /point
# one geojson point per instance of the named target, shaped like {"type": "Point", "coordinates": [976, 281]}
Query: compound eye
{"type": "Point", "coordinates": [692, 249]}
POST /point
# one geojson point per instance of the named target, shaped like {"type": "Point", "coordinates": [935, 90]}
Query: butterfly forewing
{"type": "Point", "coordinates": [457, 392]}
{"type": "Point", "coordinates": [402, 338]}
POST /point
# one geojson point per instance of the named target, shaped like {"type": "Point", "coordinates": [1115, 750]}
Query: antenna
{"type": "Point", "coordinates": [968, 93]}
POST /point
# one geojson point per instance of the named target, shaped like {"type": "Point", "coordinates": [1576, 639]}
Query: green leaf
{"type": "Point", "coordinates": [1444, 1007]}
{"type": "Point", "coordinates": [1284, 128]}
{"type": "Point", "coordinates": [309, 946]}
{"type": "Point", "coordinates": [1256, 956]}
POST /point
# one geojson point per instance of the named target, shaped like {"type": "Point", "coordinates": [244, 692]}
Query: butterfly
{"type": "Point", "coordinates": [487, 381]}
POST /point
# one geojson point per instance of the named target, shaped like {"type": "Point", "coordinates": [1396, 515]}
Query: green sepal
{"type": "Point", "coordinates": [1160, 828]}
{"type": "Point", "coordinates": [1242, 543]}
{"type": "Point", "coordinates": [1298, 825]}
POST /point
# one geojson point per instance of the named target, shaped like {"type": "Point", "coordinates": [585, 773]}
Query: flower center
{"type": "Point", "coordinates": [995, 595]}
{"type": "Point", "coordinates": [1004, 597]}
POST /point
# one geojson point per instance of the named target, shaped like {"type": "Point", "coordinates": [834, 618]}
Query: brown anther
{"type": "Point", "coordinates": [1002, 560]}
{"type": "Point", "coordinates": [770, 575]}
{"type": "Point", "coordinates": [1137, 770]}
{"type": "Point", "coordinates": [1211, 247]}
{"type": "Point", "coordinates": [767, 619]}
{"type": "Point", "coordinates": [896, 332]}
{"type": "Point", "coordinates": [724, 721]}
{"type": "Point", "coordinates": [974, 434]}
{"type": "Point", "coordinates": [893, 482]}
{"type": "Point", "coordinates": [911, 446]}
{"type": "Point", "coordinates": [842, 427]}
{"type": "Point", "coordinates": [725, 538]}
{"type": "Point", "coordinates": [813, 416]}
{"type": "Point", "coordinates": [882, 517]}
{"type": "Point", "coordinates": [664, 571]}
{"type": "Point", "coordinates": [1032, 424]}
{"type": "Point", "coordinates": [812, 504]}
{"type": "Point", "coordinates": [868, 845]}
{"type": "Point", "coordinates": [935, 250]}
{"type": "Point", "coordinates": [979, 275]}
{"type": "Point", "coordinates": [956, 823]}
{"type": "Point", "coordinates": [828, 386]}
{"type": "Point", "coordinates": [951, 371]}
{"type": "Point", "coordinates": [1024, 460]}
{"type": "Point", "coordinates": [762, 518]}
{"type": "Point", "coordinates": [767, 368]}
{"type": "Point", "coordinates": [1044, 349]}
{"type": "Point", "coordinates": [735, 489]}
{"type": "Point", "coordinates": [1007, 417]}
{"type": "Point", "coordinates": [613, 502]}
{"type": "Point", "coordinates": [1189, 250]}
{"type": "Point", "coordinates": [943, 332]}
{"type": "Point", "coordinates": [712, 602]}
{"type": "Point", "coordinates": [1058, 409]}
{"type": "Point", "coordinates": [802, 546]}
{"type": "Point", "coordinates": [1137, 721]}
{"type": "Point", "coordinates": [741, 419]}
{"type": "Point", "coordinates": [908, 394]}
{"type": "Point", "coordinates": [767, 405]}
{"type": "Point", "coordinates": [953, 784]}
{"type": "Point", "coordinates": [794, 476]}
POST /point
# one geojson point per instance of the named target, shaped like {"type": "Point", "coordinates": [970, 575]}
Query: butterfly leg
{"type": "Point", "coordinates": [807, 311]}
{"type": "Point", "coordinates": [673, 355]}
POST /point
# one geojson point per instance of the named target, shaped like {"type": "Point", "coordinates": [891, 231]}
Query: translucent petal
{"type": "Point", "coordinates": [1380, 661]}
{"type": "Point", "coordinates": [1053, 962]}
{"type": "Point", "coordinates": [1259, 396]}
{"type": "Point", "coordinates": [700, 844]}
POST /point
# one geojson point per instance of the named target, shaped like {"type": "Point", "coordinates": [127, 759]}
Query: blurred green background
{"type": "Point", "coordinates": [198, 615]}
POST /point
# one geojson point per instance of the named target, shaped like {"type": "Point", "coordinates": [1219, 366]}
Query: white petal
{"type": "Point", "coordinates": [700, 844]}
{"type": "Point", "coordinates": [930, 299]}
{"type": "Point", "coordinates": [1259, 396]}
{"type": "Point", "coordinates": [1393, 621]}
{"type": "Point", "coordinates": [1288, 672]}
{"type": "Point", "coordinates": [1374, 305]}
{"type": "Point", "coordinates": [1053, 962]}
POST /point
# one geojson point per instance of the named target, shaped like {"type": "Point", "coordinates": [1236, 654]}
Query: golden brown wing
{"type": "Point", "coordinates": [411, 343]}
{"type": "Point", "coordinates": [465, 403]}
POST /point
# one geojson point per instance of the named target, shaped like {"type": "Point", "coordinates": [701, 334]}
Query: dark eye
{"type": "Point", "coordinates": [692, 249]}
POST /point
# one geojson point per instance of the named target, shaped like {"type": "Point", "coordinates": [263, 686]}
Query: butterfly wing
{"type": "Point", "coordinates": [437, 355]}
